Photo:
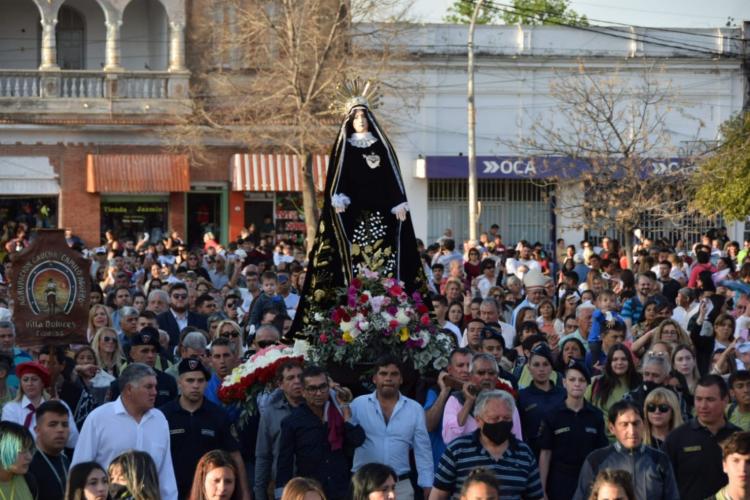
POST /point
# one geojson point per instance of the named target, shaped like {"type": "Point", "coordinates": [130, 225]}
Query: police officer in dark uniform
{"type": "Point", "coordinates": [197, 426]}
{"type": "Point", "coordinates": [144, 348]}
{"type": "Point", "coordinates": [568, 434]}
{"type": "Point", "coordinates": [540, 397]}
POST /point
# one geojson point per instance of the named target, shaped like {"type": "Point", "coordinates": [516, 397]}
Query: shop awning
{"type": "Point", "coordinates": [274, 172]}
{"type": "Point", "coordinates": [28, 175]}
{"type": "Point", "coordinates": [147, 173]}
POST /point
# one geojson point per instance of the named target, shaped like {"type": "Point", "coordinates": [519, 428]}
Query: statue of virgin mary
{"type": "Point", "coordinates": [365, 221]}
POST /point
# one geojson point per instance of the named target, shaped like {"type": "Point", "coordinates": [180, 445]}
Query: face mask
{"type": "Point", "coordinates": [499, 432]}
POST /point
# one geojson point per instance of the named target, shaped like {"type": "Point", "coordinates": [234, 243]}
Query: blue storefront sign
{"type": "Point", "coordinates": [517, 167]}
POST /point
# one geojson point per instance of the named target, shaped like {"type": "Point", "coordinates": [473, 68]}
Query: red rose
{"type": "Point", "coordinates": [323, 338]}
{"type": "Point", "coordinates": [356, 283]}
{"type": "Point", "coordinates": [393, 324]}
{"type": "Point", "coordinates": [422, 309]}
{"type": "Point", "coordinates": [425, 320]}
{"type": "Point", "coordinates": [363, 299]}
{"type": "Point", "coordinates": [396, 290]}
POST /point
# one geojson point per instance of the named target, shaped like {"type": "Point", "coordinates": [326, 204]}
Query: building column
{"type": "Point", "coordinates": [49, 44]}
{"type": "Point", "coordinates": [176, 46]}
{"type": "Point", "coordinates": [112, 51]}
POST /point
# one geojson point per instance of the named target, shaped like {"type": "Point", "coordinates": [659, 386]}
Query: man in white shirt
{"type": "Point", "coordinates": [393, 425]}
{"type": "Point", "coordinates": [130, 423]}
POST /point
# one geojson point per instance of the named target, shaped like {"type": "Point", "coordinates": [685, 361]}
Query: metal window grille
{"type": "Point", "coordinates": [688, 228]}
{"type": "Point", "coordinates": [519, 207]}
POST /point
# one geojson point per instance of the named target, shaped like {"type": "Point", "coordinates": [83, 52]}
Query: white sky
{"type": "Point", "coordinates": [673, 13]}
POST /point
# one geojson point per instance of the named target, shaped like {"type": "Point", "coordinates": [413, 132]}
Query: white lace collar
{"type": "Point", "coordinates": [362, 140]}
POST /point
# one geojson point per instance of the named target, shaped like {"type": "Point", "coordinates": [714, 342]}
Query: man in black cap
{"type": "Point", "coordinates": [197, 426]}
{"type": "Point", "coordinates": [568, 434]}
{"type": "Point", "coordinates": [144, 348]}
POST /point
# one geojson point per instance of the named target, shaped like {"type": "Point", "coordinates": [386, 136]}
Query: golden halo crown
{"type": "Point", "coordinates": [356, 92]}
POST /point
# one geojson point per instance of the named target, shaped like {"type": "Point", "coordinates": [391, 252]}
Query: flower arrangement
{"type": "Point", "coordinates": [250, 378]}
{"type": "Point", "coordinates": [376, 316]}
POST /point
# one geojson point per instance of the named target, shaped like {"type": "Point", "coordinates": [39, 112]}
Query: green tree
{"type": "Point", "coordinates": [721, 179]}
{"type": "Point", "coordinates": [528, 12]}
{"type": "Point", "coordinates": [537, 12]}
{"type": "Point", "coordinates": [461, 10]}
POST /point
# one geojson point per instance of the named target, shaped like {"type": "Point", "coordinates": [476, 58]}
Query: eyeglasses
{"type": "Point", "coordinates": [109, 339]}
{"type": "Point", "coordinates": [663, 408]}
{"type": "Point", "coordinates": [179, 296]}
{"type": "Point", "coordinates": [234, 334]}
{"type": "Point", "coordinates": [314, 389]}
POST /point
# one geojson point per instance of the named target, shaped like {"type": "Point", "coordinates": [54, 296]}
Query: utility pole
{"type": "Point", "coordinates": [472, 115]}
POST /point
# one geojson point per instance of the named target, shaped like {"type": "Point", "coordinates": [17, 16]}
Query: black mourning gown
{"type": "Point", "coordinates": [367, 234]}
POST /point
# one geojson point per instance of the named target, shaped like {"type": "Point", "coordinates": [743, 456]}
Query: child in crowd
{"type": "Point", "coordinates": [604, 314]}
{"type": "Point", "coordinates": [738, 412]}
{"type": "Point", "coordinates": [267, 299]}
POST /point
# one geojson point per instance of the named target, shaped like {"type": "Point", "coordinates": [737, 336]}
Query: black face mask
{"type": "Point", "coordinates": [499, 432]}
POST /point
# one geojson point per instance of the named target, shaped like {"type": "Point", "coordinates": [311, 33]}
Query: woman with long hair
{"type": "Point", "coordinates": [661, 409]}
{"type": "Point", "coordinates": [455, 315]}
{"type": "Point", "coordinates": [684, 362]}
{"type": "Point", "coordinates": [33, 379]}
{"type": "Point", "coordinates": [16, 450]}
{"type": "Point", "coordinates": [548, 323]}
{"type": "Point", "coordinates": [668, 331]}
{"type": "Point", "coordinates": [87, 481]}
{"type": "Point", "coordinates": [620, 377]}
{"type": "Point", "coordinates": [108, 352]}
{"type": "Point", "coordinates": [99, 317]}
{"type": "Point", "coordinates": [215, 478]}
{"type": "Point", "coordinates": [133, 475]}
{"type": "Point", "coordinates": [570, 349]}
{"type": "Point", "coordinates": [231, 330]}
{"type": "Point", "coordinates": [374, 481]}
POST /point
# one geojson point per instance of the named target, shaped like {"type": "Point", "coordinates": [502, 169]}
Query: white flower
{"type": "Point", "coordinates": [402, 317]}
{"type": "Point", "coordinates": [318, 317]}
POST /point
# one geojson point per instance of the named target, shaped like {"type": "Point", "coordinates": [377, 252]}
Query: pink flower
{"type": "Point", "coordinates": [425, 320]}
{"type": "Point", "coordinates": [324, 338]}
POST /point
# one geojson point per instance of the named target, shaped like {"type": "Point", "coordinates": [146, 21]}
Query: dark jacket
{"type": "Point", "coordinates": [652, 473]}
{"type": "Point", "coordinates": [169, 324]}
{"type": "Point", "coordinates": [304, 442]}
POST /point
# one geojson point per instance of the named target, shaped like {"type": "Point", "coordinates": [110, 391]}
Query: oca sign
{"type": "Point", "coordinates": [520, 168]}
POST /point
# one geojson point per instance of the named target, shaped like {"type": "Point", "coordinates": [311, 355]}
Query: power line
{"type": "Point", "coordinates": [637, 37]}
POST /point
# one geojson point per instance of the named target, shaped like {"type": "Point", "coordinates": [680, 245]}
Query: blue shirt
{"type": "Point", "coordinates": [436, 438]}
{"type": "Point", "coordinates": [390, 443]}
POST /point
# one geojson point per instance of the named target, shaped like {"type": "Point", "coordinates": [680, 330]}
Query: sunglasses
{"type": "Point", "coordinates": [231, 305]}
{"type": "Point", "coordinates": [232, 334]}
{"type": "Point", "coordinates": [663, 408]}
{"type": "Point", "coordinates": [109, 339]}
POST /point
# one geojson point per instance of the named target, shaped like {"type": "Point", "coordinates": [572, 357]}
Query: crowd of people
{"type": "Point", "coordinates": [575, 374]}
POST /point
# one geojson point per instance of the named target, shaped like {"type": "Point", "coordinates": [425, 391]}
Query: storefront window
{"type": "Point", "coordinates": [133, 219]}
{"type": "Point", "coordinates": [38, 212]}
{"type": "Point", "coordinates": [290, 221]}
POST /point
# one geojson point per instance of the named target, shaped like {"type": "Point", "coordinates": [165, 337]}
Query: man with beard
{"type": "Point", "coordinates": [394, 425]}
{"type": "Point", "coordinates": [178, 316]}
{"type": "Point", "coordinates": [493, 448]}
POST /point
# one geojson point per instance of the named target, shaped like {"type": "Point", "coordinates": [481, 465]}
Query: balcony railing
{"type": "Point", "coordinates": [91, 84]}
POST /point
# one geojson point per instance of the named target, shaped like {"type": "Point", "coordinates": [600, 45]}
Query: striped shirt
{"type": "Point", "coordinates": [516, 470]}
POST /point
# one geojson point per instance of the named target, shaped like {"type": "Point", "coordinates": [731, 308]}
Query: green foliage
{"type": "Point", "coordinates": [462, 10]}
{"type": "Point", "coordinates": [537, 12]}
{"type": "Point", "coordinates": [528, 12]}
{"type": "Point", "coordinates": [721, 179]}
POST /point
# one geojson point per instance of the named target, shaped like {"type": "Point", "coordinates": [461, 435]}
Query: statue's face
{"type": "Point", "coordinates": [360, 122]}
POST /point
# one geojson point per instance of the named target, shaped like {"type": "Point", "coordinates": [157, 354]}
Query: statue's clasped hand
{"type": "Point", "coordinates": [400, 211]}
